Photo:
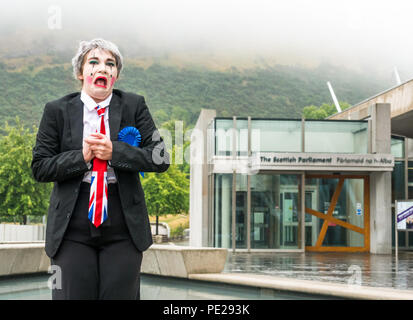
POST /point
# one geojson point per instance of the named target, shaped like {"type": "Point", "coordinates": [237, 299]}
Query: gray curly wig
{"type": "Point", "coordinates": [86, 46]}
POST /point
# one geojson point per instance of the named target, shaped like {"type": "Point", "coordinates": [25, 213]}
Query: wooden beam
{"type": "Point", "coordinates": [336, 249]}
{"type": "Point", "coordinates": [330, 211]}
{"type": "Point", "coordinates": [366, 191]}
{"type": "Point", "coordinates": [365, 231]}
{"type": "Point", "coordinates": [334, 220]}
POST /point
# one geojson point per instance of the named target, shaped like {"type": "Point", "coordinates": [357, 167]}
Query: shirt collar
{"type": "Point", "coordinates": [91, 104]}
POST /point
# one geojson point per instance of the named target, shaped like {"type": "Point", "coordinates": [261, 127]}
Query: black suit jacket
{"type": "Point", "coordinates": [58, 157]}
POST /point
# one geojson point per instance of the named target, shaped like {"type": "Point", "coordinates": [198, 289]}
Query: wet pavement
{"type": "Point", "coordinates": [362, 269]}
{"type": "Point", "coordinates": [346, 268]}
{"type": "Point", "coordinates": [366, 269]}
{"type": "Point", "coordinates": [35, 287]}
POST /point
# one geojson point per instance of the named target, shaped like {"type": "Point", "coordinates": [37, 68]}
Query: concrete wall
{"type": "Point", "coordinates": [164, 260]}
{"type": "Point", "coordinates": [22, 258]}
{"type": "Point", "coordinates": [380, 183]}
{"type": "Point", "coordinates": [410, 148]}
{"type": "Point", "coordinates": [14, 232]}
{"type": "Point", "coordinates": [181, 261]}
{"type": "Point", "coordinates": [198, 203]}
{"type": "Point", "coordinates": [380, 213]}
{"type": "Point", "coordinates": [400, 98]}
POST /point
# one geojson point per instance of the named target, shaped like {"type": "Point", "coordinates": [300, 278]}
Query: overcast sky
{"type": "Point", "coordinates": [376, 33]}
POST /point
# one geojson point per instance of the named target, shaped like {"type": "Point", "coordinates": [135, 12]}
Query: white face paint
{"type": "Point", "coordinates": [99, 74]}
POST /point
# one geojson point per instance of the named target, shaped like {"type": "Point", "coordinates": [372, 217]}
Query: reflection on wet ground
{"type": "Point", "coordinates": [34, 287]}
{"type": "Point", "coordinates": [166, 288]}
{"type": "Point", "coordinates": [348, 268]}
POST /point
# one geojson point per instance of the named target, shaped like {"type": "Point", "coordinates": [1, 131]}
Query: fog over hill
{"type": "Point", "coordinates": [367, 35]}
{"type": "Point", "coordinates": [243, 57]}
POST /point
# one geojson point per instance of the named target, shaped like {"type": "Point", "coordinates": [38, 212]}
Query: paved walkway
{"type": "Point", "coordinates": [363, 269]}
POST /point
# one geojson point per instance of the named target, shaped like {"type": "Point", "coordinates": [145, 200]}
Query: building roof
{"type": "Point", "coordinates": [399, 97]}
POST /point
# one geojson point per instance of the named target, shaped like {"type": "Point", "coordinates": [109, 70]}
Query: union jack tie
{"type": "Point", "coordinates": [98, 200]}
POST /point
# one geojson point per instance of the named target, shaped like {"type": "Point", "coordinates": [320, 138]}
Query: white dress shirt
{"type": "Point", "coordinates": [91, 124]}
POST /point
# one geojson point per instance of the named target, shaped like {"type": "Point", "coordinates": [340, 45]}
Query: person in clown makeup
{"type": "Point", "coordinates": [97, 225]}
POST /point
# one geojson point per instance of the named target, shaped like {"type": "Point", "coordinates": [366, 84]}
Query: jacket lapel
{"type": "Point", "coordinates": [75, 115]}
{"type": "Point", "coordinates": [115, 114]}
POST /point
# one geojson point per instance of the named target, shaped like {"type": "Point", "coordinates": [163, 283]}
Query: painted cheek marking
{"type": "Point", "coordinates": [89, 79]}
{"type": "Point", "coordinates": [112, 81]}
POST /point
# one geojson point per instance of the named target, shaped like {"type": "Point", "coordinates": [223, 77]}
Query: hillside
{"type": "Point", "coordinates": [181, 92]}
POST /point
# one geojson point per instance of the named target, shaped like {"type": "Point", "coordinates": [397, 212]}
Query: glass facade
{"type": "Point", "coordinates": [224, 136]}
{"type": "Point", "coordinates": [242, 137]}
{"type": "Point", "coordinates": [400, 172]}
{"type": "Point", "coordinates": [224, 129]}
{"type": "Point", "coordinates": [349, 209]}
{"type": "Point", "coordinates": [274, 221]}
{"type": "Point", "coordinates": [397, 147]}
{"type": "Point", "coordinates": [397, 181]}
{"type": "Point", "coordinates": [275, 211]}
{"type": "Point", "coordinates": [275, 136]}
{"type": "Point", "coordinates": [410, 180]}
{"type": "Point", "coordinates": [287, 136]}
{"type": "Point", "coordinates": [223, 211]}
{"type": "Point", "coordinates": [241, 211]}
{"type": "Point", "coordinates": [336, 136]}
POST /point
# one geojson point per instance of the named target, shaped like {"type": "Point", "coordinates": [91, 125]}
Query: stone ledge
{"type": "Point", "coordinates": [194, 263]}
{"type": "Point", "coordinates": [181, 261]}
{"type": "Point", "coordinates": [21, 258]}
{"type": "Point", "coordinates": [307, 286]}
{"type": "Point", "coordinates": [165, 260]}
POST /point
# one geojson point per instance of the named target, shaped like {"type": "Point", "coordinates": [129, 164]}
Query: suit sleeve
{"type": "Point", "coordinates": [151, 156]}
{"type": "Point", "coordinates": [48, 163]}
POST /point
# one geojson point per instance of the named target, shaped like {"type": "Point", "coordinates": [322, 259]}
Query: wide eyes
{"type": "Point", "coordinates": [110, 64]}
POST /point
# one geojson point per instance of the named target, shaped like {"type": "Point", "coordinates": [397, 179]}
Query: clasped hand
{"type": "Point", "coordinates": [97, 145]}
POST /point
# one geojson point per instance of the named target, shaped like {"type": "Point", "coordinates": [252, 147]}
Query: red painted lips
{"type": "Point", "coordinates": [101, 81]}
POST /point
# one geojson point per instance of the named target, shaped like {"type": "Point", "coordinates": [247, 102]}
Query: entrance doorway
{"type": "Point", "coordinates": [335, 216]}
{"type": "Point", "coordinates": [339, 213]}
{"type": "Point", "coordinates": [290, 213]}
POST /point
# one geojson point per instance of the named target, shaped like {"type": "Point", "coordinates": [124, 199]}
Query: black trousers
{"type": "Point", "coordinates": [97, 263]}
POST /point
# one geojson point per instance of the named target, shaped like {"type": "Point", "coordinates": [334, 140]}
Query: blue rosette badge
{"type": "Point", "coordinates": [131, 136]}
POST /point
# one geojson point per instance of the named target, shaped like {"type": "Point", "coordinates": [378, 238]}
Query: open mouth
{"type": "Point", "coordinates": [101, 82]}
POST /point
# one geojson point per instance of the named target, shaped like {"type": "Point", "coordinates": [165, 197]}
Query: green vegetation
{"type": "Point", "coordinates": [180, 93]}
{"type": "Point", "coordinates": [167, 192]}
{"type": "Point", "coordinates": [20, 194]}
{"type": "Point", "coordinates": [323, 111]}
{"type": "Point", "coordinates": [179, 230]}
{"type": "Point", "coordinates": [171, 94]}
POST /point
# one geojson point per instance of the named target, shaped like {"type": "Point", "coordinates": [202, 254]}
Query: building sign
{"type": "Point", "coordinates": [271, 161]}
{"type": "Point", "coordinates": [404, 210]}
{"type": "Point", "coordinates": [314, 161]}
